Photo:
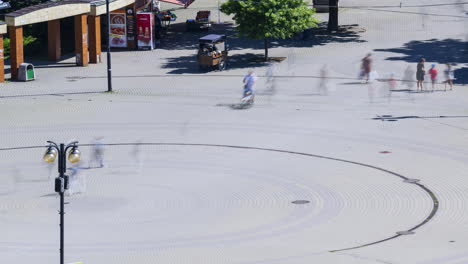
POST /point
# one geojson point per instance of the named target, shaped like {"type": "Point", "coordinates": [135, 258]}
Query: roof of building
{"type": "Point", "coordinates": [47, 11]}
{"type": "Point", "coordinates": [56, 9]}
{"type": "Point", "coordinates": [45, 5]}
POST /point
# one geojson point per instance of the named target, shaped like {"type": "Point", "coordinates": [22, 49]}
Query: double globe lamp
{"type": "Point", "coordinates": [62, 182]}
{"type": "Point", "coordinates": [51, 155]}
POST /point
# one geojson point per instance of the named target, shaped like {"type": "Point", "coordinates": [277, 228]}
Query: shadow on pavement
{"type": "Point", "coordinates": [189, 64]}
{"type": "Point", "coordinates": [177, 38]}
{"type": "Point", "coordinates": [437, 50]}
{"type": "Point", "coordinates": [461, 76]}
{"type": "Point", "coordinates": [47, 94]}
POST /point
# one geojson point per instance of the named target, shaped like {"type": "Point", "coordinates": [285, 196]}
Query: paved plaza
{"type": "Point", "coordinates": [341, 172]}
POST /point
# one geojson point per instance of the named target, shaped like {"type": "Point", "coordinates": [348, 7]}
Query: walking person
{"type": "Point", "coordinates": [420, 74]}
{"type": "Point", "coordinates": [97, 153]}
{"type": "Point", "coordinates": [449, 76]}
{"type": "Point", "coordinates": [323, 89]}
{"type": "Point", "coordinates": [433, 72]}
{"type": "Point", "coordinates": [392, 85]}
{"type": "Point", "coordinates": [249, 82]}
{"type": "Point", "coordinates": [409, 77]}
{"type": "Point", "coordinates": [76, 181]}
{"type": "Point", "coordinates": [249, 93]}
{"type": "Point", "coordinates": [366, 67]}
{"type": "Point", "coordinates": [50, 168]}
{"type": "Point", "coordinates": [270, 80]}
{"type": "Point", "coordinates": [136, 154]}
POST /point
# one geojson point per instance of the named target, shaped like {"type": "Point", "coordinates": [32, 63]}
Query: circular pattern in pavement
{"type": "Point", "coordinates": [163, 195]}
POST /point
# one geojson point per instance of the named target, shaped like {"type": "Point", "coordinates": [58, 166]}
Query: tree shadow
{"type": "Point", "coordinates": [320, 36]}
{"type": "Point", "coordinates": [461, 76]}
{"type": "Point", "coordinates": [437, 50]}
{"type": "Point", "coordinates": [176, 37]}
{"type": "Point", "coordinates": [189, 64]}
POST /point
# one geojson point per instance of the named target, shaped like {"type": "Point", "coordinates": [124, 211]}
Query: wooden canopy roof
{"type": "Point", "coordinates": [47, 11]}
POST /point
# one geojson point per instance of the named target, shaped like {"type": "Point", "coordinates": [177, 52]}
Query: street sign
{"type": "Point", "coordinates": [4, 5]}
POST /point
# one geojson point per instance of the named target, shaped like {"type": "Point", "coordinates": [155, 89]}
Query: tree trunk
{"type": "Point", "coordinates": [333, 15]}
{"type": "Point", "coordinates": [266, 48]}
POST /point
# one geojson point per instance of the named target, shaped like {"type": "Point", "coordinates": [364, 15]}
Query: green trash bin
{"type": "Point", "coordinates": [26, 72]}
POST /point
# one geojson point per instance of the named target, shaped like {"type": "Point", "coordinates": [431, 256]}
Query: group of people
{"type": "Point", "coordinates": [433, 72]}
{"type": "Point", "coordinates": [366, 74]}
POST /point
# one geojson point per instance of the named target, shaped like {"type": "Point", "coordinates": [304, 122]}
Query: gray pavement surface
{"type": "Point", "coordinates": [210, 184]}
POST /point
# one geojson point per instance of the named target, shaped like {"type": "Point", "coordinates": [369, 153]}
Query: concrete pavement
{"type": "Point", "coordinates": [193, 198]}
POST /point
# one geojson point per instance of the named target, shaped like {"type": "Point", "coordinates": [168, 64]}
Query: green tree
{"type": "Point", "coordinates": [35, 35]}
{"type": "Point", "coordinates": [265, 19]}
{"type": "Point", "coordinates": [16, 5]}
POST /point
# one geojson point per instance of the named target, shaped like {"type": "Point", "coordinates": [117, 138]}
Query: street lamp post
{"type": "Point", "coordinates": [62, 182]}
{"type": "Point", "coordinates": [109, 66]}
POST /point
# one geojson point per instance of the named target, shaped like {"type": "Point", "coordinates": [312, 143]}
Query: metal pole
{"type": "Point", "coordinates": [61, 165]}
{"type": "Point", "coordinates": [109, 66]}
{"type": "Point", "coordinates": [219, 14]}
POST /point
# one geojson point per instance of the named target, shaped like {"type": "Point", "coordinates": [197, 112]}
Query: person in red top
{"type": "Point", "coordinates": [433, 73]}
{"type": "Point", "coordinates": [366, 67]}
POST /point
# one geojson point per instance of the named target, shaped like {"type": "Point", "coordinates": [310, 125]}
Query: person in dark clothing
{"type": "Point", "coordinates": [420, 74]}
{"type": "Point", "coordinates": [366, 67]}
{"type": "Point", "coordinates": [157, 30]}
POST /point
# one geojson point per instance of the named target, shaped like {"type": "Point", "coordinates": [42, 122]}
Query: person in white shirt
{"type": "Point", "coordinates": [249, 83]}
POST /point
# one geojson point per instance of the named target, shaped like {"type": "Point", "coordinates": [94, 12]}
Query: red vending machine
{"type": "Point", "coordinates": [145, 26]}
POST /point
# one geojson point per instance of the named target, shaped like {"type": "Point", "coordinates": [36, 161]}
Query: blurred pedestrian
{"type": "Point", "coordinates": [76, 180]}
{"type": "Point", "coordinates": [248, 95]}
{"type": "Point", "coordinates": [136, 154]}
{"type": "Point", "coordinates": [270, 79]}
{"type": "Point", "coordinates": [291, 61]}
{"type": "Point", "coordinates": [97, 153]}
{"type": "Point", "coordinates": [409, 77]}
{"type": "Point", "coordinates": [420, 71]}
{"type": "Point", "coordinates": [392, 85]}
{"type": "Point", "coordinates": [433, 72]}
{"type": "Point", "coordinates": [366, 67]}
{"type": "Point", "coordinates": [50, 168]}
{"type": "Point", "coordinates": [449, 76]}
{"type": "Point", "coordinates": [323, 89]}
{"type": "Point", "coordinates": [249, 82]}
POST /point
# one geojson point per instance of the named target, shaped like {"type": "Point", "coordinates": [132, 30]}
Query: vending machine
{"type": "Point", "coordinates": [145, 27]}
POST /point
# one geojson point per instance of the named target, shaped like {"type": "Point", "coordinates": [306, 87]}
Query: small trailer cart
{"type": "Point", "coordinates": [212, 52]}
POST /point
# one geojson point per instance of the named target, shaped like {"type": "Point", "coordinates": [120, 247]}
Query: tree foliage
{"type": "Point", "coordinates": [263, 19]}
{"type": "Point", "coordinates": [16, 5]}
{"type": "Point", "coordinates": [35, 35]}
{"type": "Point", "coordinates": [257, 19]}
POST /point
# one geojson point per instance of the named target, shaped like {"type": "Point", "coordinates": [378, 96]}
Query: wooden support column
{"type": "Point", "coordinates": [2, 63]}
{"type": "Point", "coordinates": [54, 45]}
{"type": "Point", "coordinates": [16, 49]}
{"type": "Point", "coordinates": [81, 40]}
{"type": "Point", "coordinates": [94, 23]}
